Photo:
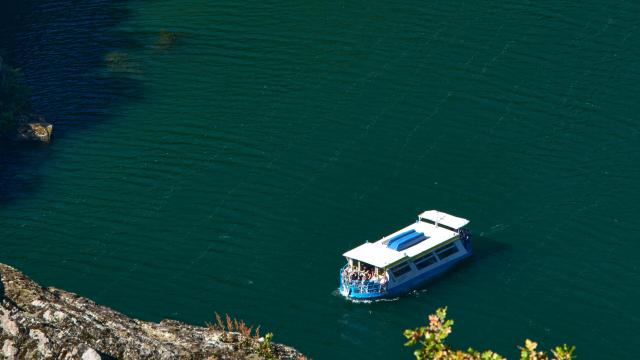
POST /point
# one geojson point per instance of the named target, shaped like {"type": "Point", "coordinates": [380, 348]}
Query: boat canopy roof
{"type": "Point", "coordinates": [444, 219]}
{"type": "Point", "coordinates": [374, 254]}
{"type": "Point", "coordinates": [379, 254]}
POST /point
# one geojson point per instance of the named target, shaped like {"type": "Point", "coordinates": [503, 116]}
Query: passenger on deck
{"type": "Point", "coordinates": [383, 283]}
{"type": "Point", "coordinates": [365, 273]}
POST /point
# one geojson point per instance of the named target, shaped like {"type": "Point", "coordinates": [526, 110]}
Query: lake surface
{"type": "Point", "coordinates": [221, 156]}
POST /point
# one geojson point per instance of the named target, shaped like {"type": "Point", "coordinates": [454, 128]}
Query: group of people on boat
{"type": "Point", "coordinates": [363, 274]}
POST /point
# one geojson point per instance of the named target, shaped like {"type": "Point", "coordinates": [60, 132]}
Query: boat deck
{"type": "Point", "coordinates": [379, 255]}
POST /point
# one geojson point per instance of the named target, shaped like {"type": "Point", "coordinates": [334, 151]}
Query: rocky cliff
{"type": "Point", "coordinates": [48, 323]}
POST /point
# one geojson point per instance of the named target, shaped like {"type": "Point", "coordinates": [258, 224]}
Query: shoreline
{"type": "Point", "coordinates": [50, 323]}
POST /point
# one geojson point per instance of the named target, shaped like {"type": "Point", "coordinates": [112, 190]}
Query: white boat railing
{"type": "Point", "coordinates": [361, 286]}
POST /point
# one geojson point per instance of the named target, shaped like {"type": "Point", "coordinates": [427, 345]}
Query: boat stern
{"type": "Point", "coordinates": [360, 289]}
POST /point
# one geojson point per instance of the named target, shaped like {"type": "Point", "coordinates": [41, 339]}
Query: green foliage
{"type": "Point", "coordinates": [14, 97]}
{"type": "Point", "coordinates": [564, 352]}
{"type": "Point", "coordinates": [266, 347]}
{"type": "Point", "coordinates": [430, 339]}
{"type": "Point", "coordinates": [529, 352]}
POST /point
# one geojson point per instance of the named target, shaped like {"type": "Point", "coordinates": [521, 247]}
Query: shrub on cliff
{"type": "Point", "coordinates": [14, 97]}
{"type": "Point", "coordinates": [430, 339]}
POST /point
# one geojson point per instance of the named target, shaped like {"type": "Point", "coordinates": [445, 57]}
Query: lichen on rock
{"type": "Point", "coordinates": [49, 323]}
{"type": "Point", "coordinates": [9, 350]}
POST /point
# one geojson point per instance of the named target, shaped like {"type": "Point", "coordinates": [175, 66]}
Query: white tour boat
{"type": "Point", "coordinates": [403, 260]}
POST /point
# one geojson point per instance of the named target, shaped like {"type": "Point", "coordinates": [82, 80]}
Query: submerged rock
{"type": "Point", "coordinates": [166, 39]}
{"type": "Point", "coordinates": [120, 62]}
{"type": "Point", "coordinates": [48, 323]}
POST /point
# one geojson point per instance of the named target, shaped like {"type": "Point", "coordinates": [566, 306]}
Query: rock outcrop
{"type": "Point", "coordinates": [36, 131]}
{"type": "Point", "coordinates": [48, 323]}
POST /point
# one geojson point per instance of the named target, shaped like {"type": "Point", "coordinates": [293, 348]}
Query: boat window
{"type": "Point", "coordinates": [400, 270]}
{"type": "Point", "coordinates": [425, 261]}
{"type": "Point", "coordinates": [447, 251]}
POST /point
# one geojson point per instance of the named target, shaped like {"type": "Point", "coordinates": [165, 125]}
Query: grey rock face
{"type": "Point", "coordinates": [9, 350]}
{"type": "Point", "coordinates": [9, 326]}
{"type": "Point", "coordinates": [48, 323]}
{"type": "Point", "coordinates": [91, 354]}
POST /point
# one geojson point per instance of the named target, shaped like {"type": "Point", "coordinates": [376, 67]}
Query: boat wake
{"type": "Point", "coordinates": [337, 293]}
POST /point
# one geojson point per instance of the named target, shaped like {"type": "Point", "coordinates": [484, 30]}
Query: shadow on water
{"type": "Point", "coordinates": [62, 49]}
{"type": "Point", "coordinates": [483, 247]}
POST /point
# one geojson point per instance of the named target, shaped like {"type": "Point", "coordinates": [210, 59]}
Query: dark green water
{"type": "Point", "coordinates": [228, 170]}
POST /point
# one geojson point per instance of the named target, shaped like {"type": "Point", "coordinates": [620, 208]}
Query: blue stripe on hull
{"type": "Point", "coordinates": [423, 278]}
{"type": "Point", "coordinates": [368, 296]}
{"type": "Point", "coordinates": [412, 283]}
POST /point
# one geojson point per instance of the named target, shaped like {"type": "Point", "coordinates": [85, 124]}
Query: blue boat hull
{"type": "Point", "coordinates": [413, 283]}
{"type": "Point", "coordinates": [423, 278]}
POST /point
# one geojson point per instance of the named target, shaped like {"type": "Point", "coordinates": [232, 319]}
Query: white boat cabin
{"type": "Point", "coordinates": [405, 256]}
